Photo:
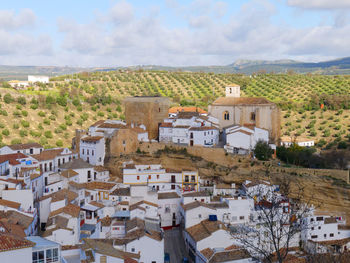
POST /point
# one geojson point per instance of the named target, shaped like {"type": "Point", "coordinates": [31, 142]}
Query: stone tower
{"type": "Point", "coordinates": [147, 110]}
{"type": "Point", "coordinates": [233, 91]}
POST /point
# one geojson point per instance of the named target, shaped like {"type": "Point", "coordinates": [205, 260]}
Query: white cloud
{"type": "Point", "coordinates": [320, 4]}
{"type": "Point", "coordinates": [10, 21]}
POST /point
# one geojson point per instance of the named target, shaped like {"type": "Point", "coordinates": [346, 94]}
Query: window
{"type": "Point", "coordinates": [226, 116]}
{"type": "Point", "coordinates": [38, 256]}
{"type": "Point", "coordinates": [157, 176]}
{"type": "Point", "coordinates": [138, 177]}
{"type": "Point", "coordinates": [205, 133]}
{"type": "Point", "coordinates": [87, 152]}
{"type": "Point", "coordinates": [331, 235]}
{"type": "Point", "coordinates": [92, 152]}
{"type": "Point", "coordinates": [31, 151]}
{"type": "Point", "coordinates": [325, 235]}
{"type": "Point", "coordinates": [312, 228]}
{"type": "Point", "coordinates": [319, 218]}
{"type": "Point", "coordinates": [314, 236]}
{"type": "Point", "coordinates": [319, 227]}
{"type": "Point", "coordinates": [83, 151]}
{"type": "Point", "coordinates": [241, 218]}
{"type": "Point", "coordinates": [133, 249]}
{"type": "Point", "coordinates": [199, 216]}
{"type": "Point", "coordinates": [149, 177]}
{"type": "Point", "coordinates": [252, 116]}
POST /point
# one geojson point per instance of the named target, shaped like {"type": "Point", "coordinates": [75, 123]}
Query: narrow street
{"type": "Point", "coordinates": [174, 245]}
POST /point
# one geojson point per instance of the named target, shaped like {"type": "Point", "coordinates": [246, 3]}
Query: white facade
{"type": "Point", "coordinates": [243, 140]}
{"type": "Point", "coordinates": [169, 209]}
{"type": "Point", "coordinates": [19, 255]}
{"type": "Point", "coordinates": [302, 142]}
{"type": "Point", "coordinates": [41, 79]}
{"type": "Point", "coordinates": [92, 149]}
{"type": "Point", "coordinates": [233, 91]}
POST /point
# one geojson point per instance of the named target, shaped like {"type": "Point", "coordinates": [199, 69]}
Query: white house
{"type": "Point", "coordinates": [325, 234]}
{"type": "Point", "coordinates": [303, 142]}
{"type": "Point", "coordinates": [206, 234]}
{"type": "Point", "coordinates": [45, 251]}
{"type": "Point", "coordinates": [189, 128]}
{"type": "Point", "coordinates": [36, 78]}
{"type": "Point", "coordinates": [169, 209]}
{"type": "Point", "coordinates": [15, 249]}
{"type": "Point", "coordinates": [26, 148]}
{"type": "Point", "coordinates": [92, 149]}
{"type": "Point", "coordinates": [242, 140]}
{"type": "Point", "coordinates": [159, 178]}
{"type": "Point", "coordinates": [231, 254]}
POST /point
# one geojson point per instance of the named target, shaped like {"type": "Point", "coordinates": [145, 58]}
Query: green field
{"type": "Point", "coordinates": [76, 101]}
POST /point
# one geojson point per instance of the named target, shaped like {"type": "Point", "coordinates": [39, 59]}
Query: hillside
{"type": "Point", "coordinates": [76, 101]}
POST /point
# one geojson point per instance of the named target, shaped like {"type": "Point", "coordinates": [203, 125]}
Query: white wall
{"type": "Point", "coordinates": [23, 255]}
{"type": "Point", "coordinates": [24, 197]}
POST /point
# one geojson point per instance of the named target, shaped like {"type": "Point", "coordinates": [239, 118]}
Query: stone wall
{"type": "Point", "coordinates": [124, 141]}
{"type": "Point", "coordinates": [150, 111]}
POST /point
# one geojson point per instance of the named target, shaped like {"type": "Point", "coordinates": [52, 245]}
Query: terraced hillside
{"type": "Point", "coordinates": [53, 111]}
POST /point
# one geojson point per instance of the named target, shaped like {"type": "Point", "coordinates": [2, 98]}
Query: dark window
{"type": "Point", "coordinates": [252, 116]}
{"type": "Point", "coordinates": [89, 174]}
{"type": "Point", "coordinates": [226, 116]}
{"type": "Point", "coordinates": [319, 218]}
{"type": "Point", "coordinates": [314, 236]}
{"type": "Point", "coordinates": [331, 235]}
{"type": "Point", "coordinates": [31, 151]}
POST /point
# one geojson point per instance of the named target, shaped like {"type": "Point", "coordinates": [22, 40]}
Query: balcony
{"type": "Point", "coordinates": [5, 173]}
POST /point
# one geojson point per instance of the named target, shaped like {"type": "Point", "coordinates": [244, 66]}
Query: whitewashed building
{"type": "Point", "coordinates": [242, 140]}
{"type": "Point", "coordinates": [92, 149]}
{"type": "Point", "coordinates": [36, 78]}
{"type": "Point", "coordinates": [302, 142]}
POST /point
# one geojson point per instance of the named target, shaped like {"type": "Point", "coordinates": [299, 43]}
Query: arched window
{"type": "Point", "coordinates": [226, 116]}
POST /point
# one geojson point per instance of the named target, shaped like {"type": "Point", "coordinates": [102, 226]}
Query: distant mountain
{"type": "Point", "coordinates": [243, 66]}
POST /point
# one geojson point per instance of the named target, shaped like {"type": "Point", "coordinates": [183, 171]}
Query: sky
{"type": "Point", "coordinates": [110, 33]}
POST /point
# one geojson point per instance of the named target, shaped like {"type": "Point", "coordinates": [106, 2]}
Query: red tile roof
{"type": "Point", "coordinates": [11, 204]}
{"type": "Point", "coordinates": [12, 158]}
{"type": "Point", "coordinates": [187, 109]}
{"type": "Point", "coordinates": [11, 242]}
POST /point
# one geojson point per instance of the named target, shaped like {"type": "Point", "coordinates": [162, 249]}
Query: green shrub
{"type": "Point", "coordinates": [2, 125]}
{"type": "Point", "coordinates": [35, 133]}
{"type": "Point", "coordinates": [8, 98]}
{"type": "Point", "coordinates": [22, 100]}
{"type": "Point", "coordinates": [76, 102]}
{"type": "Point", "coordinates": [47, 121]}
{"type": "Point", "coordinates": [25, 124]}
{"type": "Point", "coordinates": [59, 143]}
{"type": "Point", "coordinates": [23, 133]}
{"type": "Point", "coordinates": [16, 141]}
{"type": "Point", "coordinates": [100, 114]}
{"type": "Point", "coordinates": [342, 145]}
{"type": "Point", "coordinates": [43, 141]}
{"type": "Point", "coordinates": [15, 126]}
{"type": "Point", "coordinates": [52, 117]}
{"type": "Point", "coordinates": [80, 108]}
{"type": "Point", "coordinates": [24, 113]}
{"type": "Point", "coordinates": [69, 122]}
{"type": "Point", "coordinates": [48, 134]}
{"type": "Point", "coordinates": [58, 130]}
{"type": "Point", "coordinates": [84, 116]}
{"type": "Point", "coordinates": [40, 126]}
{"type": "Point", "coordinates": [34, 106]}
{"type": "Point", "coordinates": [80, 122]}
{"type": "Point", "coordinates": [41, 113]}
{"type": "Point", "coordinates": [18, 107]}
{"type": "Point", "coordinates": [17, 113]}
{"type": "Point", "coordinates": [5, 132]}
{"type": "Point", "coordinates": [63, 126]}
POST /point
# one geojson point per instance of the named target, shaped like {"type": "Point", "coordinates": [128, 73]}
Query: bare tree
{"type": "Point", "coordinates": [276, 222]}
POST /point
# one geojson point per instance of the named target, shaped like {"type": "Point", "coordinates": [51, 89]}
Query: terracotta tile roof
{"type": "Point", "coordinates": [12, 229]}
{"type": "Point", "coordinates": [61, 195]}
{"type": "Point", "coordinates": [23, 146]}
{"type": "Point", "coordinates": [100, 168]}
{"type": "Point", "coordinates": [106, 221]}
{"type": "Point", "coordinates": [203, 128]}
{"type": "Point", "coordinates": [48, 154]}
{"type": "Point", "coordinates": [12, 158]}
{"type": "Point", "coordinates": [130, 260]}
{"type": "Point", "coordinates": [94, 185]}
{"type": "Point", "coordinates": [194, 205]}
{"type": "Point", "coordinates": [187, 109]}
{"type": "Point", "coordinates": [169, 195]}
{"type": "Point", "coordinates": [138, 205]}
{"type": "Point", "coordinates": [121, 192]}
{"type": "Point", "coordinates": [204, 229]}
{"type": "Point", "coordinates": [14, 217]}
{"type": "Point", "coordinates": [332, 242]}
{"type": "Point", "coordinates": [97, 204]}
{"type": "Point", "coordinates": [11, 204]}
{"type": "Point", "coordinates": [166, 125]}
{"type": "Point", "coordinates": [70, 209]}
{"type": "Point", "coordinates": [10, 242]}
{"type": "Point", "coordinates": [182, 127]}
{"type": "Point", "coordinates": [124, 203]}
{"type": "Point", "coordinates": [69, 173]}
{"type": "Point", "coordinates": [92, 138]}
{"type": "Point", "coordinates": [111, 126]}
{"type": "Point", "coordinates": [207, 252]}
{"type": "Point", "coordinates": [34, 176]}
{"type": "Point", "coordinates": [228, 256]}
{"type": "Point", "coordinates": [232, 101]}
{"type": "Point", "coordinates": [196, 194]}
{"type": "Point", "coordinates": [106, 248]}
{"type": "Point", "coordinates": [240, 131]}
{"type": "Point", "coordinates": [97, 123]}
